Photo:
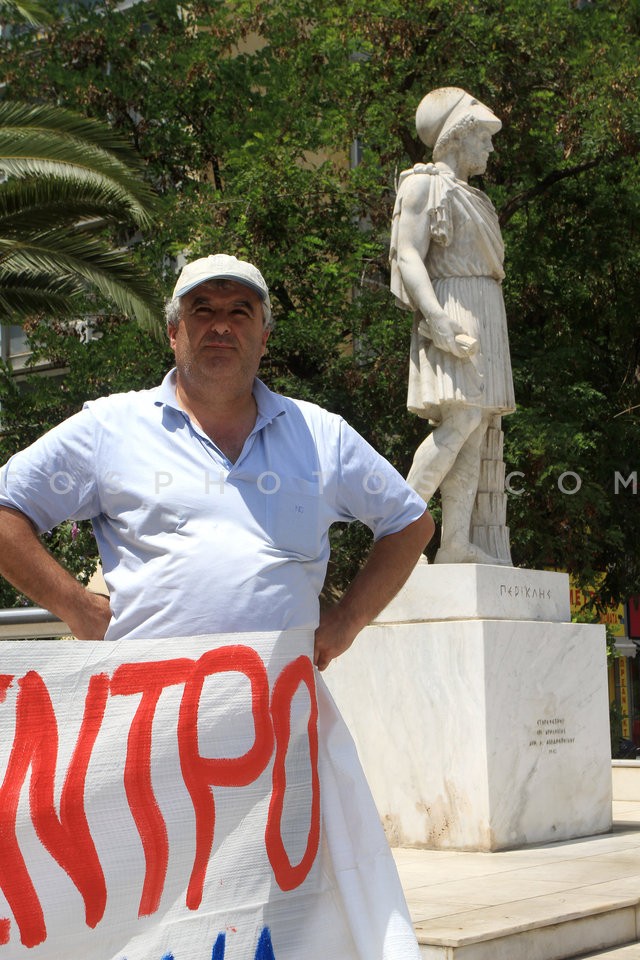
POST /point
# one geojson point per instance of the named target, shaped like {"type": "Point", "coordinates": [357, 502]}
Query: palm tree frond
{"type": "Point", "coordinates": [68, 178]}
{"type": "Point", "coordinates": [34, 302]}
{"type": "Point", "coordinates": [42, 202]}
{"type": "Point", "coordinates": [92, 264]}
{"type": "Point", "coordinates": [32, 145]}
{"type": "Point", "coordinates": [22, 283]}
{"type": "Point", "coordinates": [132, 195]}
{"type": "Point", "coordinates": [28, 11]}
{"type": "Point", "coordinates": [62, 122]}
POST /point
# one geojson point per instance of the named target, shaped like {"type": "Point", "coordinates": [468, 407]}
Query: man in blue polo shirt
{"type": "Point", "coordinates": [211, 497]}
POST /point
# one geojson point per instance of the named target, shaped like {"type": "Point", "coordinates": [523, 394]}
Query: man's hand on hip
{"type": "Point", "coordinates": [92, 618]}
{"type": "Point", "coordinates": [333, 636]}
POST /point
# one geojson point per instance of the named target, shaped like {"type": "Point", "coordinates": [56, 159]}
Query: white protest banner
{"type": "Point", "coordinates": [161, 800]}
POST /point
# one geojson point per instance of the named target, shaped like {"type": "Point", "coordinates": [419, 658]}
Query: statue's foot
{"type": "Point", "coordinates": [465, 553]}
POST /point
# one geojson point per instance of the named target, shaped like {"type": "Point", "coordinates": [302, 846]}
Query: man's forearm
{"type": "Point", "coordinates": [26, 564]}
{"type": "Point", "coordinates": [389, 564]}
{"type": "Point", "coordinates": [387, 568]}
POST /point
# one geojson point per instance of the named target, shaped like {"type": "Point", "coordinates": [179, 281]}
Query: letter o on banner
{"type": "Point", "coordinates": [288, 875]}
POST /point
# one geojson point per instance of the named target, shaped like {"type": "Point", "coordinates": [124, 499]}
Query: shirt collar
{"type": "Point", "coordinates": [270, 405]}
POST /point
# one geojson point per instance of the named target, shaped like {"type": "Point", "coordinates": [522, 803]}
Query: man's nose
{"type": "Point", "coordinates": [220, 323]}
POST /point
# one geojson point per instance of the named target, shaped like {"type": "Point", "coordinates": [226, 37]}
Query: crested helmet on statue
{"type": "Point", "coordinates": [448, 107]}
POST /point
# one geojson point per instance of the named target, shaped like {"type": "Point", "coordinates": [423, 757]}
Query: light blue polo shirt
{"type": "Point", "coordinates": [191, 543]}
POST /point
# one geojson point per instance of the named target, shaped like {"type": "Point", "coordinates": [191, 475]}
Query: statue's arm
{"type": "Point", "coordinates": [413, 241]}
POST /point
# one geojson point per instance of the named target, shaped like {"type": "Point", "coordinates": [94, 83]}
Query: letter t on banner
{"type": "Point", "coordinates": [149, 679]}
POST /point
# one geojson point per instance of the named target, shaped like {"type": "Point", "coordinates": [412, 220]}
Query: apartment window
{"type": "Point", "coordinates": [14, 346]}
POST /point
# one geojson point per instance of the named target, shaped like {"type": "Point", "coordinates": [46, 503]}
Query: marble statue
{"type": "Point", "coordinates": [447, 267]}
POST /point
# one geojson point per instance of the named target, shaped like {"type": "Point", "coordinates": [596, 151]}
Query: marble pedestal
{"type": "Point", "coordinates": [480, 713]}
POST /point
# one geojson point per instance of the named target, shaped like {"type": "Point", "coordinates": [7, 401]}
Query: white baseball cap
{"type": "Point", "coordinates": [221, 266]}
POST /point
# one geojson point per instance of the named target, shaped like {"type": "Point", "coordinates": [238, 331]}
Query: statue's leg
{"type": "Point", "coordinates": [436, 456]}
{"type": "Point", "coordinates": [458, 492]}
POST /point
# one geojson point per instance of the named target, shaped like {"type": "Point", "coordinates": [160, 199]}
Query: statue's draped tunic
{"type": "Point", "coordinates": [464, 262]}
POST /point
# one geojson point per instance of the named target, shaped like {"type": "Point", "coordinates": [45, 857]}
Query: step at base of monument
{"type": "Point", "coordinates": [566, 935]}
{"type": "Point", "coordinates": [629, 952]}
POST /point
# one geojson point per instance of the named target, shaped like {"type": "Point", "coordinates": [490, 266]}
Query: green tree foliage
{"type": "Point", "coordinates": [245, 113]}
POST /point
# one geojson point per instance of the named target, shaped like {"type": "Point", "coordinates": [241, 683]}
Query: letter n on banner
{"type": "Point", "coordinates": [67, 837]}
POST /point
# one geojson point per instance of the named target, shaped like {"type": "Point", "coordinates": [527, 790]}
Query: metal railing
{"type": "Point", "coordinates": [30, 623]}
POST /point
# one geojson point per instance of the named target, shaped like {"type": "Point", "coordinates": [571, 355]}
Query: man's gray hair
{"type": "Point", "coordinates": [172, 313]}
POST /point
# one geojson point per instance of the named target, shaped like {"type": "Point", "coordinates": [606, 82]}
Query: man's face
{"type": "Point", "coordinates": [221, 332]}
{"type": "Point", "coordinates": [475, 146]}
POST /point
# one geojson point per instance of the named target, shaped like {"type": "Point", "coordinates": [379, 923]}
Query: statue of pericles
{"type": "Point", "coordinates": [447, 267]}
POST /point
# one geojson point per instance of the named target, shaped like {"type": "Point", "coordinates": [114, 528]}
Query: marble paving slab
{"type": "Point", "coordinates": [598, 906]}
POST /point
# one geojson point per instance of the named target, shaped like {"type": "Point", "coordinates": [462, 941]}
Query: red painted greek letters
{"type": "Point", "coordinates": [149, 679]}
{"type": "Point", "coordinates": [201, 773]}
{"type": "Point", "coordinates": [67, 837]}
{"type": "Point", "coordinates": [294, 674]}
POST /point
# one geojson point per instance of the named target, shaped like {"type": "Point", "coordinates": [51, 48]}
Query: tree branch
{"type": "Point", "coordinates": [412, 146]}
{"type": "Point", "coordinates": [513, 205]}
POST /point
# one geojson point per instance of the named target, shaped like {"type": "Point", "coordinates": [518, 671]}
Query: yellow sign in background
{"type": "Point", "coordinates": [613, 617]}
